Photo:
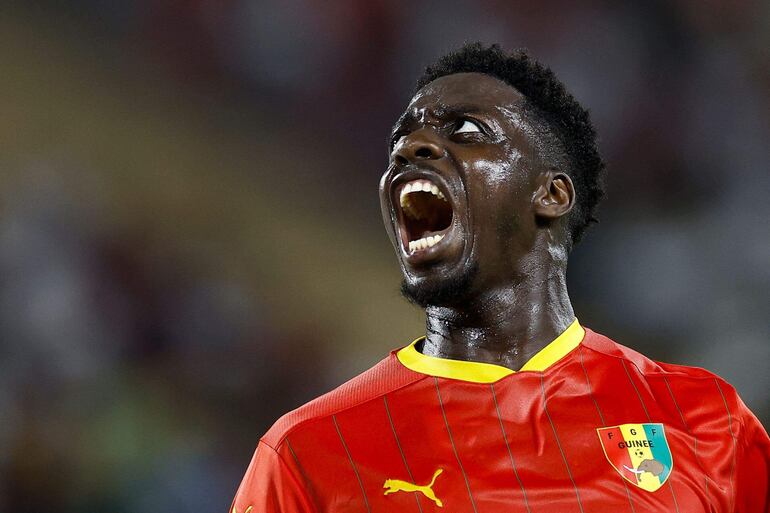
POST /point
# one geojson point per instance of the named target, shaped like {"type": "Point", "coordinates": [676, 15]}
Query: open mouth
{"type": "Point", "coordinates": [425, 215]}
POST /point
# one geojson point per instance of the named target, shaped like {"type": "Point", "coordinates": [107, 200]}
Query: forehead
{"type": "Point", "coordinates": [481, 92]}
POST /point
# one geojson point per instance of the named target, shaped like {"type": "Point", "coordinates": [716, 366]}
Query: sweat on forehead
{"type": "Point", "coordinates": [469, 89]}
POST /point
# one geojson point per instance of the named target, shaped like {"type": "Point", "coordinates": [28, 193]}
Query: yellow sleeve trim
{"type": "Point", "coordinates": [479, 372]}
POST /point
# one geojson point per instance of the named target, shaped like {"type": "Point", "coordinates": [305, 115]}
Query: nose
{"type": "Point", "coordinates": [419, 145]}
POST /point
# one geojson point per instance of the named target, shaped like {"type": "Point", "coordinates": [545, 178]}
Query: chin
{"type": "Point", "coordinates": [440, 291]}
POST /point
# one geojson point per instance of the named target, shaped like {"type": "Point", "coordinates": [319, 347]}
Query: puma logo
{"type": "Point", "coordinates": [248, 510]}
{"type": "Point", "coordinates": [396, 485]}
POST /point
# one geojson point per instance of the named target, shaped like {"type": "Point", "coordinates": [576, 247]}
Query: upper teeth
{"type": "Point", "coordinates": [419, 186]}
{"type": "Point", "coordinates": [423, 243]}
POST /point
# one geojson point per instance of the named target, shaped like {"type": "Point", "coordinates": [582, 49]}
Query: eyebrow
{"type": "Point", "coordinates": [441, 112]}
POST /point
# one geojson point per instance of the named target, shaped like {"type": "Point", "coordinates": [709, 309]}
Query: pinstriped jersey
{"type": "Point", "coordinates": [591, 426]}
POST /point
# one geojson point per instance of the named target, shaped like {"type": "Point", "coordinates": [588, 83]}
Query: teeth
{"type": "Point", "coordinates": [424, 243]}
{"type": "Point", "coordinates": [420, 186]}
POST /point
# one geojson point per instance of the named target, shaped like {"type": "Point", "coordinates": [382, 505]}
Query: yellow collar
{"type": "Point", "coordinates": [479, 372]}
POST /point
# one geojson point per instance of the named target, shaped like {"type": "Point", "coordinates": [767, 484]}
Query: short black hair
{"type": "Point", "coordinates": [550, 103]}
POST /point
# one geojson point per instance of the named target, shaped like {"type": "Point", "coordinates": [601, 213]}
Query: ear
{"type": "Point", "coordinates": [555, 196]}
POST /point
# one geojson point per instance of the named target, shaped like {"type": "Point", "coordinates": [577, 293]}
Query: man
{"type": "Point", "coordinates": [507, 404]}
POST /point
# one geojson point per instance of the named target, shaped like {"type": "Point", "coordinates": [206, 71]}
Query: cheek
{"type": "Point", "coordinates": [504, 169]}
{"type": "Point", "coordinates": [501, 166]}
{"type": "Point", "coordinates": [500, 197]}
{"type": "Point", "coordinates": [498, 187]}
{"type": "Point", "coordinates": [508, 224]}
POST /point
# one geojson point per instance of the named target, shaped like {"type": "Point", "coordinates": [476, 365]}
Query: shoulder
{"type": "Point", "coordinates": [607, 347]}
{"type": "Point", "coordinates": [382, 378]}
{"type": "Point", "coordinates": [695, 381]}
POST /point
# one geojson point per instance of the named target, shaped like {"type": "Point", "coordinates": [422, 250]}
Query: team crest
{"type": "Point", "coordinates": [639, 452]}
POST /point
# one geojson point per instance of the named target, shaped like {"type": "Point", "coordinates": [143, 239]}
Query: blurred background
{"type": "Point", "coordinates": [190, 237]}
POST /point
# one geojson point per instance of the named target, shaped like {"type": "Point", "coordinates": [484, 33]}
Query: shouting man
{"type": "Point", "coordinates": [507, 404]}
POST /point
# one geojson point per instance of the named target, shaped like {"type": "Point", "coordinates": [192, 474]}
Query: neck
{"type": "Point", "coordinates": [504, 326]}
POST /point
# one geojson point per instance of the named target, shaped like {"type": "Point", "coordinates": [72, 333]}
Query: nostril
{"type": "Point", "coordinates": [401, 160]}
{"type": "Point", "coordinates": [423, 153]}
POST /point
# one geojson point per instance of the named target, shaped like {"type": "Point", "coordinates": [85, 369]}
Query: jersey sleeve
{"type": "Point", "coordinates": [270, 486]}
{"type": "Point", "coordinates": [752, 483]}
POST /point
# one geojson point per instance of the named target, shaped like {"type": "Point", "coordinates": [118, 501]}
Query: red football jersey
{"type": "Point", "coordinates": [587, 425]}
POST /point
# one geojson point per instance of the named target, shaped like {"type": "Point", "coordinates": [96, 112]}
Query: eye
{"type": "Point", "coordinates": [467, 126]}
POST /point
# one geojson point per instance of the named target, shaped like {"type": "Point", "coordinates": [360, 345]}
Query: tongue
{"type": "Point", "coordinates": [431, 215]}
{"type": "Point", "coordinates": [430, 234]}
